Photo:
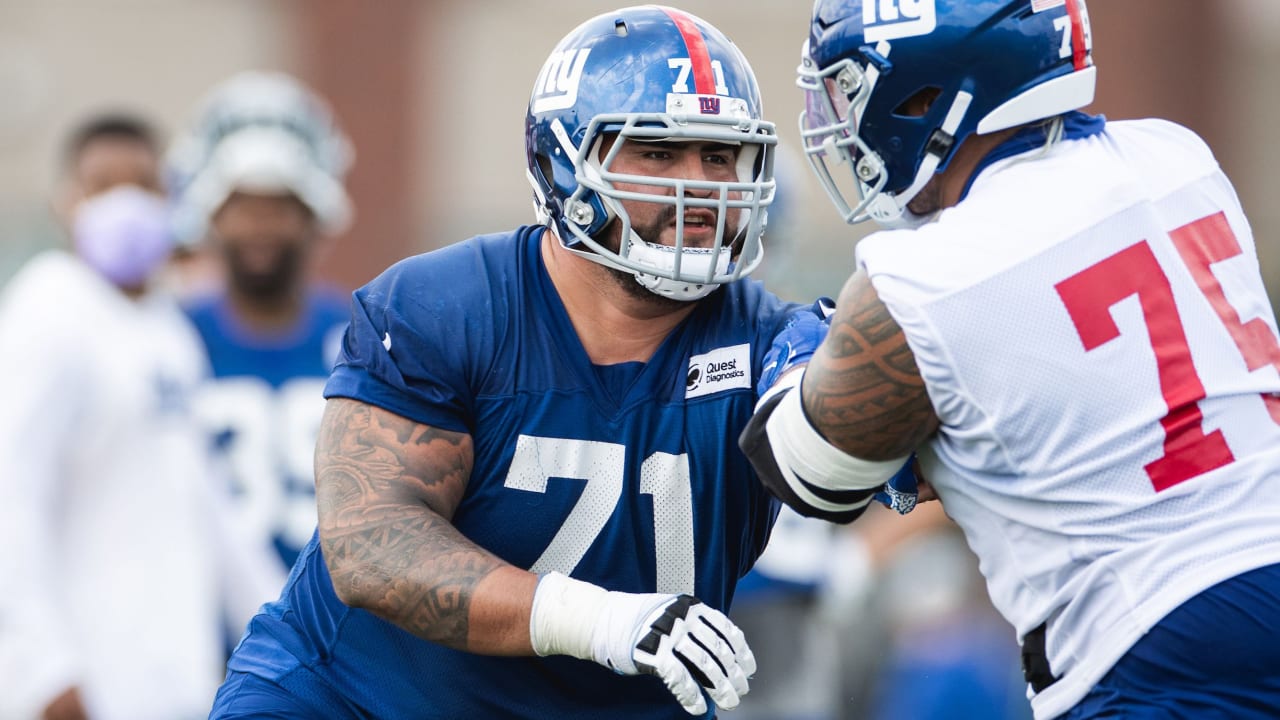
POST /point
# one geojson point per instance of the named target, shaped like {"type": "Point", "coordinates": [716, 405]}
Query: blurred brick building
{"type": "Point", "coordinates": [433, 93]}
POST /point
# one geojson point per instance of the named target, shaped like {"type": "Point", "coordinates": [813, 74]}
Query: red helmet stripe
{"type": "Point", "coordinates": [703, 80]}
{"type": "Point", "coordinates": [1079, 51]}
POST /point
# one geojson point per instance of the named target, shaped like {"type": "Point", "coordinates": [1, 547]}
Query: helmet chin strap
{"type": "Point", "coordinates": [662, 257]}
{"type": "Point", "coordinates": [892, 216]}
{"type": "Point", "coordinates": [692, 261]}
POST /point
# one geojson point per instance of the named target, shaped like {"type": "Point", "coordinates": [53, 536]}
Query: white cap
{"type": "Point", "coordinates": [260, 132]}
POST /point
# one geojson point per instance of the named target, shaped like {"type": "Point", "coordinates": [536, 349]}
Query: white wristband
{"type": "Point", "coordinates": [800, 451]}
{"type": "Point", "coordinates": [576, 618]}
{"type": "Point", "coordinates": [565, 612]}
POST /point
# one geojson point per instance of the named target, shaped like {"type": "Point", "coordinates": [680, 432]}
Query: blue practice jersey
{"type": "Point", "coordinates": [628, 476]}
{"type": "Point", "coordinates": [263, 410]}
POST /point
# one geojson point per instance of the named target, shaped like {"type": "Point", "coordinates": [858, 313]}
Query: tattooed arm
{"type": "Point", "coordinates": [387, 488]}
{"type": "Point", "coordinates": [862, 389]}
{"type": "Point", "coordinates": [828, 447]}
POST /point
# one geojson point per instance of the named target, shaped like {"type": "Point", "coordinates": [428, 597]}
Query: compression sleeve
{"type": "Point", "coordinates": [800, 467]}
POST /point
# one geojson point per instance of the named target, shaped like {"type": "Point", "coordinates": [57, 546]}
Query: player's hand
{"type": "Point", "coordinates": [901, 492]}
{"type": "Point", "coordinates": [691, 646]}
{"type": "Point", "coordinates": [906, 489]}
{"type": "Point", "coordinates": [67, 706]}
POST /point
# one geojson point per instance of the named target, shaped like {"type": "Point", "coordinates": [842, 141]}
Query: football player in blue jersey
{"type": "Point", "coordinates": [258, 185]}
{"type": "Point", "coordinates": [1064, 316]}
{"type": "Point", "coordinates": [528, 481]}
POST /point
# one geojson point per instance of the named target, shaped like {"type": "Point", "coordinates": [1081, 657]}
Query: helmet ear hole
{"type": "Point", "coordinates": [546, 169]}
{"type": "Point", "coordinates": [918, 103]}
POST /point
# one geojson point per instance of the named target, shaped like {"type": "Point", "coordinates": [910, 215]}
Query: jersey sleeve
{"type": "Point", "coordinates": [408, 348]}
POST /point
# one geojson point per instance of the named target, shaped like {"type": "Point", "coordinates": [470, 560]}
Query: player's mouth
{"type": "Point", "coordinates": [699, 223]}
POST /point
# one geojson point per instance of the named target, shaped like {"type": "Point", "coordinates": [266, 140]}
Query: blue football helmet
{"type": "Point", "coordinates": [987, 66]}
{"type": "Point", "coordinates": [259, 132]}
{"type": "Point", "coordinates": [649, 73]}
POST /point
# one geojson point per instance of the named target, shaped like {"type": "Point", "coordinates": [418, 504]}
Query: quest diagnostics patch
{"type": "Point", "coordinates": [726, 368]}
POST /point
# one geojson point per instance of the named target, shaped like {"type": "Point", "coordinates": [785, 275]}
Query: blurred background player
{"type": "Point", "coordinates": [776, 606]}
{"type": "Point", "coordinates": [918, 637]}
{"type": "Point", "coordinates": [844, 619]}
{"type": "Point", "coordinates": [119, 569]}
{"type": "Point", "coordinates": [258, 194]}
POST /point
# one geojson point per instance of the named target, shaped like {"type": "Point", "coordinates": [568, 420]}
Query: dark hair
{"type": "Point", "coordinates": [115, 125]}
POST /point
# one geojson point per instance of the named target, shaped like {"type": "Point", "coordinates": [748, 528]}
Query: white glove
{"type": "Point", "coordinates": [687, 643]}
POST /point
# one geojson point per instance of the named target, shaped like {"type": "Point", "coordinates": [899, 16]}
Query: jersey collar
{"type": "Point", "coordinates": [1076, 125]}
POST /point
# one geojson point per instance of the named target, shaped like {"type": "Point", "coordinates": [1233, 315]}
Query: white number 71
{"type": "Point", "coordinates": [662, 475]}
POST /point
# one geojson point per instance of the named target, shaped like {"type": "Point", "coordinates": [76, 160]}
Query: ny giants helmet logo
{"type": "Point", "coordinates": [892, 19]}
{"type": "Point", "coordinates": [557, 84]}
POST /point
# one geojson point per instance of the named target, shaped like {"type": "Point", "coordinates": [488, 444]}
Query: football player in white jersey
{"type": "Point", "coordinates": [1064, 318]}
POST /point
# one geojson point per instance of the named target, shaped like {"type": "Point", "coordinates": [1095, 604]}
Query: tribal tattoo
{"type": "Point", "coordinates": [386, 488]}
{"type": "Point", "coordinates": [862, 389]}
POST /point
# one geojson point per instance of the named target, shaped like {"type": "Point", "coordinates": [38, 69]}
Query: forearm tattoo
{"type": "Point", "coordinates": [862, 390]}
{"type": "Point", "coordinates": [386, 487]}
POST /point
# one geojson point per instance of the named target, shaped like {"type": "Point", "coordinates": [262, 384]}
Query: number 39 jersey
{"type": "Point", "coordinates": [1094, 334]}
{"type": "Point", "coordinates": [262, 410]}
{"type": "Point", "coordinates": [626, 476]}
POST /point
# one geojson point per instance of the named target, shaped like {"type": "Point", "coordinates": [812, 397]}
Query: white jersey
{"type": "Point", "coordinates": [1096, 339]}
{"type": "Point", "coordinates": [110, 550]}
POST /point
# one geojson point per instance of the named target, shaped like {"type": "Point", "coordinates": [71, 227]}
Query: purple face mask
{"type": "Point", "coordinates": [123, 233]}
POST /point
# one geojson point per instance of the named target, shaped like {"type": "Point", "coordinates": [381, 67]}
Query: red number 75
{"type": "Point", "coordinates": [1090, 294]}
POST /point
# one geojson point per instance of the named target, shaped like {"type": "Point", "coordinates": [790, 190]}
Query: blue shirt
{"type": "Point", "coordinates": [629, 476]}
{"type": "Point", "coordinates": [263, 407]}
